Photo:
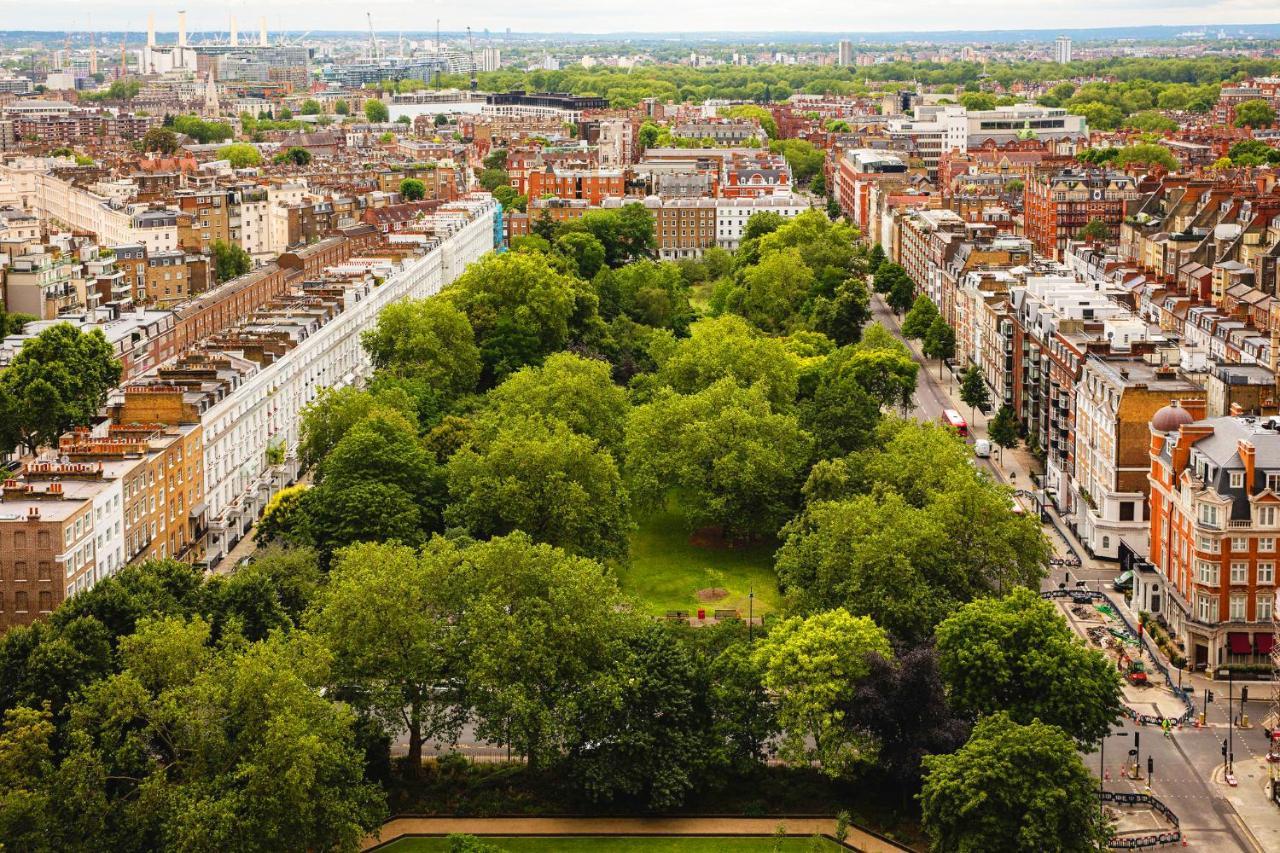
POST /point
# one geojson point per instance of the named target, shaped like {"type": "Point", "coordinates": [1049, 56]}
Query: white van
{"type": "Point", "coordinates": [982, 448]}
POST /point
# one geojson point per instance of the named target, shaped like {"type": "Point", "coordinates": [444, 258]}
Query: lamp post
{"type": "Point", "coordinates": [1231, 757]}
{"type": "Point", "coordinates": [1102, 757]}
{"type": "Point", "coordinates": [751, 612]}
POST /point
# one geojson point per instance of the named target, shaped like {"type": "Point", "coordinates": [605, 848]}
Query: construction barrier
{"type": "Point", "coordinates": [1152, 839]}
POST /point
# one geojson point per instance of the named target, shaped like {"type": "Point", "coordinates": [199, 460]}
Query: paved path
{"type": "Point", "coordinates": [506, 826]}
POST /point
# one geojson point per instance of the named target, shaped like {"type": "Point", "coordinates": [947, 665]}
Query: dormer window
{"type": "Point", "coordinates": [1237, 479]}
{"type": "Point", "coordinates": [1273, 481]}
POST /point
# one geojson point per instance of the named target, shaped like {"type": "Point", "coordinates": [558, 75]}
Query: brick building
{"type": "Point", "coordinates": [1056, 206]}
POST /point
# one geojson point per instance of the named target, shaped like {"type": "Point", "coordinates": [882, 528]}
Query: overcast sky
{"type": "Point", "coordinates": [597, 16]}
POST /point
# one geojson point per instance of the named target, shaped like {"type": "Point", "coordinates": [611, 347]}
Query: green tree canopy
{"type": "Point", "coordinates": [58, 380]}
{"type": "Point", "coordinates": [921, 316]}
{"type": "Point", "coordinates": [412, 189]}
{"type": "Point", "coordinates": [229, 260]}
{"type": "Point", "coordinates": [727, 347]}
{"type": "Point", "coordinates": [735, 461]}
{"type": "Point", "coordinates": [241, 155]}
{"type": "Point", "coordinates": [1022, 784]}
{"type": "Point", "coordinates": [1255, 114]}
{"type": "Point", "coordinates": [430, 339]}
{"type": "Point", "coordinates": [540, 477]}
{"type": "Point", "coordinates": [1017, 654]}
{"type": "Point", "coordinates": [376, 111]}
{"type": "Point", "coordinates": [810, 665]}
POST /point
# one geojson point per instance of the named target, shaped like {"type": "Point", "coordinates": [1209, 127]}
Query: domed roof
{"type": "Point", "coordinates": [1170, 418]}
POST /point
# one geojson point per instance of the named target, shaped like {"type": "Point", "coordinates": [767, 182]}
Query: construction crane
{"type": "Point", "coordinates": [373, 40]}
{"type": "Point", "coordinates": [471, 46]}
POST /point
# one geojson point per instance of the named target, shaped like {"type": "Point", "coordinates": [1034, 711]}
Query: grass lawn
{"type": "Point", "coordinates": [667, 570]}
{"type": "Point", "coordinates": [621, 844]}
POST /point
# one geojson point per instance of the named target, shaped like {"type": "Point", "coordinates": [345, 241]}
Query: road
{"type": "Point", "coordinates": [1185, 764]}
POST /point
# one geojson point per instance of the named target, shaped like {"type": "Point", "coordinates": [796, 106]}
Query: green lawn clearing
{"type": "Point", "coordinates": [668, 570]}
{"type": "Point", "coordinates": [622, 844]}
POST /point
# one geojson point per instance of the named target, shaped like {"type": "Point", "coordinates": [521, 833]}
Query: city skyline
{"type": "Point", "coordinates": [570, 16]}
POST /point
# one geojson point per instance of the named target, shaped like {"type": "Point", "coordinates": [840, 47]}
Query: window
{"type": "Point", "coordinates": [20, 570]}
{"type": "Point", "coordinates": [1267, 516]}
{"type": "Point", "coordinates": [1239, 572]}
{"type": "Point", "coordinates": [20, 601]}
{"type": "Point", "coordinates": [1266, 543]}
{"type": "Point", "coordinates": [1126, 510]}
{"type": "Point", "coordinates": [1208, 515]}
{"type": "Point", "coordinates": [1207, 573]}
{"type": "Point", "coordinates": [1273, 481]}
{"type": "Point", "coordinates": [1208, 543]}
{"type": "Point", "coordinates": [1206, 609]}
{"type": "Point", "coordinates": [1262, 607]}
{"type": "Point", "coordinates": [1266, 573]}
{"type": "Point", "coordinates": [1239, 604]}
{"type": "Point", "coordinates": [1239, 543]}
{"type": "Point", "coordinates": [1237, 479]}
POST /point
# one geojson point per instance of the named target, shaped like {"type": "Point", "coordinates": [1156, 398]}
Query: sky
{"type": "Point", "coordinates": [601, 16]}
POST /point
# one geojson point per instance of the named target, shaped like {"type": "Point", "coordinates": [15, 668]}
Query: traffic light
{"type": "Point", "coordinates": [1208, 697]}
{"type": "Point", "coordinates": [1151, 767]}
{"type": "Point", "coordinates": [1224, 749]}
{"type": "Point", "coordinates": [1244, 694]}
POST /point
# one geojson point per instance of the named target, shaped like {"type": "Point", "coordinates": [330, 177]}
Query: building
{"type": "Point", "coordinates": [1115, 400]}
{"type": "Point", "coordinates": [1057, 206]}
{"type": "Point", "coordinates": [733, 214]}
{"type": "Point", "coordinates": [556, 105]}
{"type": "Point", "coordinates": [1062, 50]}
{"type": "Point", "coordinates": [844, 52]}
{"type": "Point", "coordinates": [937, 128]}
{"type": "Point", "coordinates": [1215, 520]}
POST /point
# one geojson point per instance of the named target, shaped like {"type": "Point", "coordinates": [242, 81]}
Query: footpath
{"type": "Point", "coordinates": [401, 827]}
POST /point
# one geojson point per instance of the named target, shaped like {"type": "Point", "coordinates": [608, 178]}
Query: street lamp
{"type": "Point", "coordinates": [1102, 756]}
{"type": "Point", "coordinates": [1231, 757]}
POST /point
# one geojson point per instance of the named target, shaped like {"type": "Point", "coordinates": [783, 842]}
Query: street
{"type": "Point", "coordinates": [1188, 765]}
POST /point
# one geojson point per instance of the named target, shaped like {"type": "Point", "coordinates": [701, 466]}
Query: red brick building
{"type": "Point", "coordinates": [1057, 205]}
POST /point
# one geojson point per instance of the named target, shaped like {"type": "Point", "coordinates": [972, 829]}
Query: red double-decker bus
{"type": "Point", "coordinates": [951, 418]}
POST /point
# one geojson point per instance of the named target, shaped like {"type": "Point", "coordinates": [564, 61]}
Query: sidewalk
{"type": "Point", "coordinates": [510, 826]}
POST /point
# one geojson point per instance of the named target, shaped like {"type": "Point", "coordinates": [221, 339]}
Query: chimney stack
{"type": "Point", "coordinates": [262, 31]}
{"type": "Point", "coordinates": [151, 30]}
{"type": "Point", "coordinates": [182, 29]}
{"type": "Point", "coordinates": [235, 40]}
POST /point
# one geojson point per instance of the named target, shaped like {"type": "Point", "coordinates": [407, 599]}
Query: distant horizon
{"type": "Point", "coordinates": [873, 19]}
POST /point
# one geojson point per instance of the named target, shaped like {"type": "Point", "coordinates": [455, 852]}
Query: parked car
{"type": "Point", "coordinates": [1123, 582]}
{"type": "Point", "coordinates": [982, 448]}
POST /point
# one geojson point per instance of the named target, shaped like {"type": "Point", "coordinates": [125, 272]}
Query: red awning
{"type": "Point", "coordinates": [1264, 643]}
{"type": "Point", "coordinates": [1239, 643]}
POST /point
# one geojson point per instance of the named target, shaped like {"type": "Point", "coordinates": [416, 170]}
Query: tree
{"type": "Point", "coordinates": [294, 156]}
{"type": "Point", "coordinates": [522, 309]}
{"type": "Point", "coordinates": [327, 418]}
{"type": "Point", "coordinates": [384, 448]}
{"type": "Point", "coordinates": [903, 703]}
{"type": "Point", "coordinates": [540, 477]}
{"type": "Point", "coordinates": [648, 135]}
{"type": "Point", "coordinates": [809, 665]}
{"type": "Point", "coordinates": [804, 158]}
{"type": "Point", "coordinates": [1151, 121]}
{"type": "Point", "coordinates": [380, 615]}
{"type": "Point", "coordinates": [1147, 154]}
{"type": "Point", "coordinates": [376, 112]}
{"type": "Point", "coordinates": [540, 631]}
{"type": "Point", "coordinates": [901, 294]}
{"type": "Point", "coordinates": [841, 416]}
{"type": "Point", "coordinates": [1095, 231]}
{"type": "Point", "coordinates": [1255, 114]}
{"type": "Point", "coordinates": [842, 316]}
{"type": "Point", "coordinates": [655, 294]}
{"type": "Point", "coordinates": [569, 388]}
{"type": "Point", "coordinates": [341, 107]}
{"type": "Point", "coordinates": [311, 107]}
{"type": "Point", "coordinates": [1003, 429]}
{"type": "Point", "coordinates": [226, 727]}
{"type": "Point", "coordinates": [978, 101]}
{"type": "Point", "coordinates": [284, 114]}
{"type": "Point", "coordinates": [888, 275]}
{"type": "Point", "coordinates": [880, 364]}
{"type": "Point", "coordinates": [1253, 152]}
{"type": "Point", "coordinates": [58, 380]}
{"type": "Point", "coordinates": [240, 155]}
{"type": "Point", "coordinates": [412, 189]}
{"type": "Point", "coordinates": [586, 252]}
{"type": "Point", "coordinates": [918, 320]}
{"type": "Point", "coordinates": [735, 461]}
{"type": "Point", "coordinates": [728, 347]}
{"type": "Point", "coordinates": [973, 389]}
{"type": "Point", "coordinates": [773, 290]}
{"type": "Point", "coordinates": [427, 339]}
{"type": "Point", "coordinates": [940, 341]}
{"type": "Point", "coordinates": [1049, 802]}
{"type": "Point", "coordinates": [509, 198]}
{"type": "Point", "coordinates": [1017, 655]}
{"type": "Point", "coordinates": [229, 260]}
{"type": "Point", "coordinates": [651, 742]}
{"type": "Point", "coordinates": [875, 259]}
{"type": "Point", "coordinates": [161, 140]}
{"type": "Point", "coordinates": [491, 179]}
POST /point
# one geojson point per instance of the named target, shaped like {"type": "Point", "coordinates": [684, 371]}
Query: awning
{"type": "Point", "coordinates": [1264, 643]}
{"type": "Point", "coordinates": [1239, 643]}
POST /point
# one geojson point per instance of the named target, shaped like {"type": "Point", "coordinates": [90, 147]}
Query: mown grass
{"type": "Point", "coordinates": [667, 569]}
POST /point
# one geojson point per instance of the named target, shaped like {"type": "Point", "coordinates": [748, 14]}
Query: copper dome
{"type": "Point", "coordinates": [1170, 418]}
